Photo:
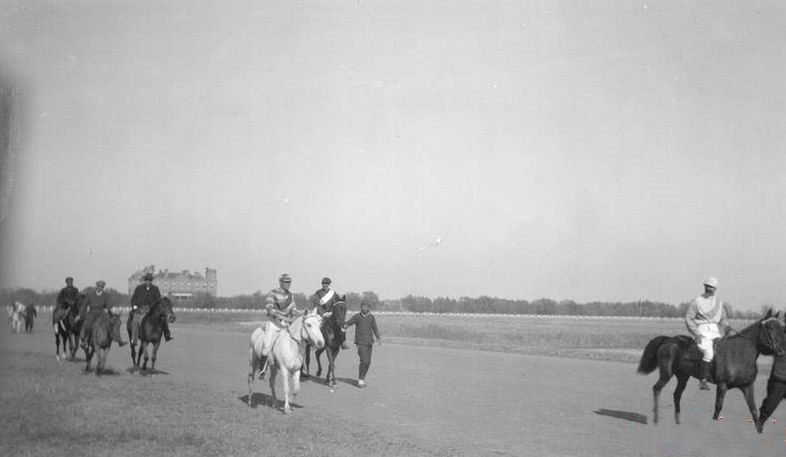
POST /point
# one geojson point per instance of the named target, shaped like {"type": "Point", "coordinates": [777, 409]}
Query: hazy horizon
{"type": "Point", "coordinates": [602, 151]}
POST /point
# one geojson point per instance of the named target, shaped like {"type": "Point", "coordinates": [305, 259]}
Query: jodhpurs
{"type": "Point", "coordinates": [708, 333]}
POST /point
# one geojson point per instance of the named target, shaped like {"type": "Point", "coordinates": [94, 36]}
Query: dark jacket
{"type": "Point", "coordinates": [778, 372]}
{"type": "Point", "coordinates": [144, 297]}
{"type": "Point", "coordinates": [366, 325]}
{"type": "Point", "coordinates": [67, 294]}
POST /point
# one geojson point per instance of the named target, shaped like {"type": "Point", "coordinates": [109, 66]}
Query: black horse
{"type": "Point", "coordinates": [734, 365]}
{"type": "Point", "coordinates": [67, 324]}
{"type": "Point", "coordinates": [104, 329]}
{"type": "Point", "coordinates": [151, 329]}
{"type": "Point", "coordinates": [334, 337]}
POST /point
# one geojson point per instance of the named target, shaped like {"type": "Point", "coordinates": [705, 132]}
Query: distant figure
{"type": "Point", "coordinates": [145, 295]}
{"type": "Point", "coordinates": [69, 295]}
{"type": "Point", "coordinates": [705, 319]}
{"type": "Point", "coordinates": [365, 332]}
{"type": "Point", "coordinates": [281, 311]}
{"type": "Point", "coordinates": [325, 299]}
{"type": "Point", "coordinates": [97, 303]}
{"type": "Point", "coordinates": [30, 313]}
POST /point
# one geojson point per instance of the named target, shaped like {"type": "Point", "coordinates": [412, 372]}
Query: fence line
{"type": "Point", "coordinates": [125, 309]}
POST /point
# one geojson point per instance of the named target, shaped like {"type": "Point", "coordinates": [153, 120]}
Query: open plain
{"type": "Point", "coordinates": [426, 396]}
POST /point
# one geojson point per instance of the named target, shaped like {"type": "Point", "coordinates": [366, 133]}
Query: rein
{"type": "Point", "coordinates": [737, 333]}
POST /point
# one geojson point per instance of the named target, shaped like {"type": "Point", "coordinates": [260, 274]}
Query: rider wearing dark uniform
{"type": "Point", "coordinates": [68, 296]}
{"type": "Point", "coordinates": [146, 295]}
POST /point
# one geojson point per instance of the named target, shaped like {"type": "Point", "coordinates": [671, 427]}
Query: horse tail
{"type": "Point", "coordinates": [649, 359]}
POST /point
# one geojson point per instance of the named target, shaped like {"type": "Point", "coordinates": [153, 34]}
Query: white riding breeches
{"type": "Point", "coordinates": [272, 328]}
{"type": "Point", "coordinates": [708, 333]}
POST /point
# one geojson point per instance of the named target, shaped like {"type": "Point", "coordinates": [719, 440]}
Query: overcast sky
{"type": "Point", "coordinates": [521, 149]}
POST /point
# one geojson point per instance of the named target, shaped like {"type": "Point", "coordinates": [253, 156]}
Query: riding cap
{"type": "Point", "coordinates": [325, 280]}
{"type": "Point", "coordinates": [69, 279]}
{"type": "Point", "coordinates": [148, 277]}
{"type": "Point", "coordinates": [285, 278]}
{"type": "Point", "coordinates": [100, 283]}
{"type": "Point", "coordinates": [711, 281]}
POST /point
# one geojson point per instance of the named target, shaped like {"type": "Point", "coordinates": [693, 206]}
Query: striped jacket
{"type": "Point", "coordinates": [281, 300]}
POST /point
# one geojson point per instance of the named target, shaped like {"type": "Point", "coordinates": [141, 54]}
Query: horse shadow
{"type": "Point", "coordinates": [104, 372]}
{"type": "Point", "coordinates": [349, 381]}
{"type": "Point", "coordinates": [152, 372]}
{"type": "Point", "coordinates": [625, 415]}
{"type": "Point", "coordinates": [258, 398]}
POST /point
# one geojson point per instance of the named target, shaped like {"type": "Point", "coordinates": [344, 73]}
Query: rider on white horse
{"type": "Point", "coordinates": [281, 311]}
{"type": "Point", "coordinates": [706, 321]}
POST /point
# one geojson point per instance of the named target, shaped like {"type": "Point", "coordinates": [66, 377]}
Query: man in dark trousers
{"type": "Point", "coordinates": [146, 295]}
{"type": "Point", "coordinates": [776, 389]}
{"type": "Point", "coordinates": [365, 331]}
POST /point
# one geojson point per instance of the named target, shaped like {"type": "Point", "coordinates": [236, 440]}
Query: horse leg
{"type": "Point", "coordinates": [272, 382]}
{"type": "Point", "coordinates": [720, 393]}
{"type": "Point", "coordinates": [253, 366]}
{"type": "Point", "coordinates": [100, 360]}
{"type": "Point", "coordinates": [664, 378]}
{"type": "Point", "coordinates": [331, 376]}
{"type": "Point", "coordinates": [286, 375]}
{"type": "Point", "coordinates": [305, 368]}
{"type": "Point", "coordinates": [318, 356]}
{"type": "Point", "coordinates": [748, 392]}
{"type": "Point", "coordinates": [88, 357]}
{"type": "Point", "coordinates": [155, 355]}
{"type": "Point", "coordinates": [143, 351]}
{"type": "Point", "coordinates": [682, 381]}
{"type": "Point", "coordinates": [57, 342]}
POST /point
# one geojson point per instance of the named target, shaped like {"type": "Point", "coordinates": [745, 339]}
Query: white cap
{"type": "Point", "coordinates": [711, 281]}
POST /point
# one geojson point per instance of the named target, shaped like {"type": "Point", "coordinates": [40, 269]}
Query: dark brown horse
{"type": "Point", "coordinates": [334, 337]}
{"type": "Point", "coordinates": [104, 329]}
{"type": "Point", "coordinates": [734, 365]}
{"type": "Point", "coordinates": [67, 324]}
{"type": "Point", "coordinates": [151, 329]}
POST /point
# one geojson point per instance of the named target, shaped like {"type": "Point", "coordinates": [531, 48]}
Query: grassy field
{"type": "Point", "coordinates": [52, 409]}
{"type": "Point", "coordinates": [602, 339]}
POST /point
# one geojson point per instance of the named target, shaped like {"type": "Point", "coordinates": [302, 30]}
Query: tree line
{"type": "Point", "coordinates": [412, 303]}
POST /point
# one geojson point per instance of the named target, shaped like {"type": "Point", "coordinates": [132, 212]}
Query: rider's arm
{"type": "Point", "coordinates": [724, 322]}
{"type": "Point", "coordinates": [690, 318]}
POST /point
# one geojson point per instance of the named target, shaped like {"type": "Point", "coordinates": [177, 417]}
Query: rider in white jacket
{"type": "Point", "coordinates": [706, 320]}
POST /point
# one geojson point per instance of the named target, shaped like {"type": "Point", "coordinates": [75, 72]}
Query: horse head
{"type": "Point", "coordinates": [339, 314]}
{"type": "Point", "coordinates": [771, 338]}
{"type": "Point", "coordinates": [311, 331]}
{"type": "Point", "coordinates": [163, 308]}
{"type": "Point", "coordinates": [114, 329]}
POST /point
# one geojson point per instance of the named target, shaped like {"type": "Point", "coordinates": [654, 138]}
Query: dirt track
{"type": "Point", "coordinates": [480, 403]}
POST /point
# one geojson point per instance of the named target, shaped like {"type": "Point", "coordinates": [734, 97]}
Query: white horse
{"type": "Point", "coordinates": [286, 355]}
{"type": "Point", "coordinates": [15, 316]}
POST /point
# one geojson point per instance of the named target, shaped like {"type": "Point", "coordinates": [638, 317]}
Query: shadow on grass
{"type": "Point", "coordinates": [625, 415]}
{"type": "Point", "coordinates": [104, 372]}
{"type": "Point", "coordinates": [258, 398]}
{"type": "Point", "coordinates": [351, 382]}
{"type": "Point", "coordinates": [150, 372]}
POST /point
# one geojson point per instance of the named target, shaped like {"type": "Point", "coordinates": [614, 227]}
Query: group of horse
{"type": "Point", "coordinates": [19, 313]}
{"type": "Point", "coordinates": [68, 323]}
{"type": "Point", "coordinates": [290, 353]}
{"type": "Point", "coordinates": [734, 364]}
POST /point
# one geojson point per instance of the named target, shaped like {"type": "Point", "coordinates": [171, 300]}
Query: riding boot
{"type": "Point", "coordinates": [705, 375]}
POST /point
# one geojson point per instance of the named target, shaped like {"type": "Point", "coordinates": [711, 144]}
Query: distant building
{"type": "Point", "coordinates": [182, 285]}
